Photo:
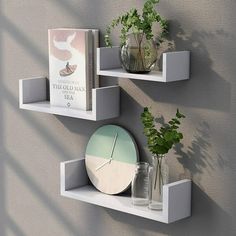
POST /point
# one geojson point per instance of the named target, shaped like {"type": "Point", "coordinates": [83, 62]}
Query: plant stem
{"type": "Point", "coordinates": [139, 55]}
{"type": "Point", "coordinates": [140, 51]}
{"type": "Point", "coordinates": [158, 174]}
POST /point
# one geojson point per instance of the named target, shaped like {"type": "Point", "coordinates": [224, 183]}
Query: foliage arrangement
{"type": "Point", "coordinates": [134, 22]}
{"type": "Point", "coordinates": [162, 140]}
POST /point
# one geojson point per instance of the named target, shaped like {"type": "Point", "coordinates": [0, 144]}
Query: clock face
{"type": "Point", "coordinates": [111, 157]}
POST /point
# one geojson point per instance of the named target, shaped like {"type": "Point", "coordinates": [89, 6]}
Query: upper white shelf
{"type": "Point", "coordinates": [105, 101]}
{"type": "Point", "coordinates": [176, 66]}
{"type": "Point", "coordinates": [176, 196]}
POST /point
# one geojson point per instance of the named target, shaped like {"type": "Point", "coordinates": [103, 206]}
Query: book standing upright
{"type": "Point", "coordinates": [71, 67]}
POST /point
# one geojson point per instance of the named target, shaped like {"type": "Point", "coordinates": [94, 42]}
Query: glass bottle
{"type": "Point", "coordinates": [140, 184]}
{"type": "Point", "coordinates": [159, 175]}
{"type": "Point", "coordinates": [138, 55]}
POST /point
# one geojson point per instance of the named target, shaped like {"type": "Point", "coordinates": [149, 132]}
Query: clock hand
{"type": "Point", "coordinates": [113, 145]}
{"type": "Point", "coordinates": [108, 161]}
{"type": "Point", "coordinates": [112, 150]}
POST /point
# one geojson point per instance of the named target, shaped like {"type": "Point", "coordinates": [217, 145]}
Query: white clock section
{"type": "Point", "coordinates": [103, 177]}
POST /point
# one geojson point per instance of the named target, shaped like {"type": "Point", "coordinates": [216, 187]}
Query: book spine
{"type": "Point", "coordinates": [49, 65]}
{"type": "Point", "coordinates": [89, 69]}
{"type": "Point", "coordinates": [95, 46]}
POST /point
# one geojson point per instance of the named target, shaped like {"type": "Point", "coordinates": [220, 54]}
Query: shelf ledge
{"type": "Point", "coordinates": [75, 185]}
{"type": "Point", "coordinates": [176, 66]}
{"type": "Point", "coordinates": [105, 101]}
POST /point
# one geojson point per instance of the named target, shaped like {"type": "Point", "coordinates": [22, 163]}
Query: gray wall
{"type": "Point", "coordinates": [33, 144]}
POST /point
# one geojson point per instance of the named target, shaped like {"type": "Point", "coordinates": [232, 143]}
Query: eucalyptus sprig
{"type": "Point", "coordinates": [133, 22]}
{"type": "Point", "coordinates": [162, 140]}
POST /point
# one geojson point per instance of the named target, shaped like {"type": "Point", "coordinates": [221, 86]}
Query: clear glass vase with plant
{"type": "Point", "coordinates": [138, 47]}
{"type": "Point", "coordinates": [159, 142]}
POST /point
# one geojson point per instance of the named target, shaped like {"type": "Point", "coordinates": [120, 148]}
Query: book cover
{"type": "Point", "coordinates": [71, 68]}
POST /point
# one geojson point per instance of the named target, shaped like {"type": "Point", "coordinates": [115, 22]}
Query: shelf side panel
{"type": "Point", "coordinates": [177, 200]}
{"type": "Point", "coordinates": [73, 175]}
{"type": "Point", "coordinates": [32, 90]}
{"type": "Point", "coordinates": [108, 58]}
{"type": "Point", "coordinates": [106, 102]}
{"type": "Point", "coordinates": [176, 66]}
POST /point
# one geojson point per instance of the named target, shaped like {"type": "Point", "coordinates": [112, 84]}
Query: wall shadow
{"type": "Point", "coordinates": [24, 41]}
{"type": "Point", "coordinates": [196, 159]}
{"type": "Point", "coordinates": [7, 224]}
{"type": "Point", "coordinates": [78, 11]}
{"type": "Point", "coordinates": [38, 193]}
{"type": "Point", "coordinates": [14, 227]}
{"type": "Point", "coordinates": [41, 129]}
{"type": "Point", "coordinates": [3, 218]}
{"type": "Point", "coordinates": [206, 214]}
{"type": "Point", "coordinates": [130, 111]}
{"type": "Point", "coordinates": [81, 126]}
{"type": "Point", "coordinates": [130, 120]}
{"type": "Point", "coordinates": [205, 89]}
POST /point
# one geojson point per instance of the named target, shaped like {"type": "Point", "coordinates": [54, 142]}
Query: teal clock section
{"type": "Point", "coordinates": [102, 141]}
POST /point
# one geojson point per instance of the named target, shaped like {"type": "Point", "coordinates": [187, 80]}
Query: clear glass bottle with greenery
{"type": "Point", "coordinates": [138, 48]}
{"type": "Point", "coordinates": [159, 142]}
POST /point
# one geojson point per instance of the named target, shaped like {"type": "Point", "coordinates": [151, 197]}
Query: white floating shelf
{"type": "Point", "coordinates": [105, 101]}
{"type": "Point", "coordinates": [176, 66]}
{"type": "Point", "coordinates": [75, 185]}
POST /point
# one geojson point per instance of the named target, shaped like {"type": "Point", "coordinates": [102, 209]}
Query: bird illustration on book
{"type": "Point", "coordinates": [68, 70]}
{"type": "Point", "coordinates": [65, 52]}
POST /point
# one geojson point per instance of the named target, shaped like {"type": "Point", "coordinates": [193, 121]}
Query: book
{"type": "Point", "coordinates": [71, 67]}
{"type": "Point", "coordinates": [95, 33]}
{"type": "Point", "coordinates": [95, 45]}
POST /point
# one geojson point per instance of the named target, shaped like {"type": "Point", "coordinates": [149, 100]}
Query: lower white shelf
{"type": "Point", "coordinates": [176, 196]}
{"type": "Point", "coordinates": [105, 101]}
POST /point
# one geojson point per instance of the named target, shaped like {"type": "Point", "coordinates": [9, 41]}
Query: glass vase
{"type": "Point", "coordinates": [140, 184]}
{"type": "Point", "coordinates": [159, 175]}
{"type": "Point", "coordinates": [138, 55]}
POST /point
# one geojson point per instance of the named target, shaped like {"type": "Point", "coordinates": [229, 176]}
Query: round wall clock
{"type": "Point", "coordinates": [110, 159]}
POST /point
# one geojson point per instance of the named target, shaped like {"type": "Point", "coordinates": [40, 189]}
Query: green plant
{"type": "Point", "coordinates": [133, 22]}
{"type": "Point", "coordinates": [162, 140]}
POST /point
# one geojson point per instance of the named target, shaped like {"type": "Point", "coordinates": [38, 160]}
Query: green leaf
{"type": "Point", "coordinates": [160, 141]}
{"type": "Point", "coordinates": [174, 127]}
{"type": "Point", "coordinates": [180, 136]}
{"type": "Point", "coordinates": [176, 121]}
{"type": "Point", "coordinates": [179, 115]}
{"type": "Point", "coordinates": [132, 20]}
{"type": "Point", "coordinates": [168, 136]}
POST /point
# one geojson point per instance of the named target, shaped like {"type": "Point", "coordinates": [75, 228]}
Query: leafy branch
{"type": "Point", "coordinates": [136, 23]}
{"type": "Point", "coordinates": [162, 140]}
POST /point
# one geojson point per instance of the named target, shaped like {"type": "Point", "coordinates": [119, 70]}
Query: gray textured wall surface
{"type": "Point", "coordinates": [33, 144]}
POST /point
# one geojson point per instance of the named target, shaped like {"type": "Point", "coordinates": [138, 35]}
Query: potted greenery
{"type": "Point", "coordinates": [138, 48]}
{"type": "Point", "coordinates": [160, 141]}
